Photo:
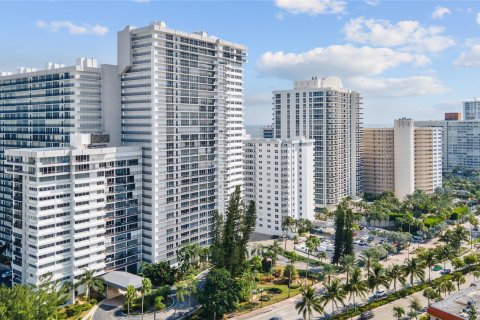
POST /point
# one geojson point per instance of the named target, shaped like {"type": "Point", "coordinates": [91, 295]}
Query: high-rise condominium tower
{"type": "Point", "coordinates": [322, 110]}
{"type": "Point", "coordinates": [471, 110]}
{"type": "Point", "coordinates": [182, 101]}
{"type": "Point", "coordinates": [42, 108]}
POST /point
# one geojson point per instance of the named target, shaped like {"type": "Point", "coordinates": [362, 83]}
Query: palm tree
{"type": "Point", "coordinates": [446, 253]}
{"type": "Point", "coordinates": [414, 269]}
{"type": "Point", "coordinates": [180, 294]}
{"type": "Point", "coordinates": [367, 257]}
{"type": "Point", "coordinates": [287, 224]}
{"type": "Point", "coordinates": [191, 287]}
{"type": "Point", "coordinates": [130, 297]}
{"type": "Point", "coordinates": [459, 278]}
{"type": "Point", "coordinates": [429, 258]}
{"type": "Point", "coordinates": [146, 289]}
{"type": "Point", "coordinates": [357, 286]}
{"type": "Point", "coordinates": [321, 256]}
{"type": "Point", "coordinates": [188, 255]}
{"type": "Point", "coordinates": [430, 294]}
{"type": "Point", "coordinates": [412, 314]}
{"type": "Point", "coordinates": [445, 286]}
{"type": "Point", "coordinates": [415, 304]}
{"type": "Point", "coordinates": [159, 305]}
{"type": "Point", "coordinates": [312, 244]}
{"type": "Point", "coordinates": [398, 312]}
{"type": "Point", "coordinates": [257, 250]}
{"type": "Point", "coordinates": [329, 273]}
{"type": "Point", "coordinates": [347, 263]}
{"type": "Point", "coordinates": [396, 274]}
{"type": "Point", "coordinates": [90, 282]}
{"type": "Point", "coordinates": [473, 223]}
{"type": "Point", "coordinates": [476, 274]}
{"type": "Point", "coordinates": [334, 293]}
{"type": "Point", "coordinates": [377, 277]}
{"type": "Point", "coordinates": [310, 302]}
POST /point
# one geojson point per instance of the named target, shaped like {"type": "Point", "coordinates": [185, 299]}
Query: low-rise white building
{"type": "Point", "coordinates": [279, 177]}
{"type": "Point", "coordinates": [75, 208]}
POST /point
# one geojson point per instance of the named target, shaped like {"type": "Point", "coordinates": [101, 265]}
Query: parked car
{"type": "Point", "coordinates": [366, 315]}
{"type": "Point", "coordinates": [361, 227]}
{"type": "Point", "coordinates": [379, 294]}
{"type": "Point", "coordinates": [276, 318]}
{"type": "Point", "coordinates": [274, 236]}
{"type": "Point", "coordinates": [363, 243]}
{"type": "Point", "coordinates": [370, 239]}
{"type": "Point", "coordinates": [7, 274]}
{"type": "Point", "coordinates": [446, 271]}
{"type": "Point", "coordinates": [437, 268]}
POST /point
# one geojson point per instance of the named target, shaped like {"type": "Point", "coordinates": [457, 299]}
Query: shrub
{"type": "Point", "coordinates": [265, 298]}
{"type": "Point", "coordinates": [266, 278]}
{"type": "Point", "coordinates": [275, 290]}
{"type": "Point", "coordinates": [278, 272]}
{"type": "Point", "coordinates": [93, 301]}
{"type": "Point", "coordinates": [295, 285]}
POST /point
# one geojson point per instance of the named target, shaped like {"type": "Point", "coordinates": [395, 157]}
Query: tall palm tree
{"type": "Point", "coordinates": [367, 257]}
{"type": "Point", "coordinates": [329, 273]}
{"type": "Point", "coordinates": [446, 253]}
{"type": "Point", "coordinates": [130, 297]}
{"type": "Point", "coordinates": [377, 277]}
{"type": "Point", "coordinates": [429, 259]}
{"type": "Point", "coordinates": [395, 273]}
{"type": "Point", "coordinates": [257, 250]}
{"type": "Point", "coordinates": [312, 244]}
{"type": "Point", "coordinates": [347, 263]}
{"type": "Point", "coordinates": [188, 255]}
{"type": "Point", "coordinates": [398, 312]}
{"type": "Point", "coordinates": [357, 287]}
{"type": "Point", "coordinates": [430, 294]}
{"type": "Point", "coordinates": [473, 223]}
{"type": "Point", "coordinates": [90, 282]}
{"type": "Point", "coordinates": [335, 294]}
{"type": "Point", "coordinates": [146, 289]}
{"type": "Point", "coordinates": [180, 294]}
{"type": "Point", "coordinates": [321, 256]}
{"type": "Point", "coordinates": [191, 288]}
{"type": "Point", "coordinates": [459, 278]}
{"type": "Point", "coordinates": [288, 223]}
{"type": "Point", "coordinates": [445, 286]}
{"type": "Point", "coordinates": [414, 269]}
{"type": "Point", "coordinates": [415, 304]}
{"type": "Point", "coordinates": [159, 305]}
{"type": "Point", "coordinates": [310, 302]}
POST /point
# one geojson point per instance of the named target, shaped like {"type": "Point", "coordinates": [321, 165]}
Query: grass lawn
{"type": "Point", "coordinates": [431, 221]}
{"type": "Point", "coordinates": [274, 297]}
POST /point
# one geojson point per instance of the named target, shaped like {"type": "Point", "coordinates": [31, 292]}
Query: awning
{"type": "Point", "coordinates": [121, 279]}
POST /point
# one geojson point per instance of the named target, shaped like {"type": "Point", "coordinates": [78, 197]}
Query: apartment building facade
{"type": "Point", "coordinates": [324, 111]}
{"type": "Point", "coordinates": [460, 143]}
{"type": "Point", "coordinates": [75, 208]}
{"type": "Point", "coordinates": [402, 159]}
{"type": "Point", "coordinates": [471, 110]}
{"type": "Point", "coordinates": [42, 108]}
{"type": "Point", "coordinates": [182, 102]}
{"type": "Point", "coordinates": [279, 178]}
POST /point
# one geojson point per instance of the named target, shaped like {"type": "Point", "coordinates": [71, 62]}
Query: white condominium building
{"type": "Point", "coordinates": [402, 159]}
{"type": "Point", "coordinates": [74, 209]}
{"type": "Point", "coordinates": [460, 143]}
{"type": "Point", "coordinates": [279, 178]}
{"type": "Point", "coordinates": [42, 108]}
{"type": "Point", "coordinates": [471, 110]}
{"type": "Point", "coordinates": [322, 110]}
{"type": "Point", "coordinates": [182, 102]}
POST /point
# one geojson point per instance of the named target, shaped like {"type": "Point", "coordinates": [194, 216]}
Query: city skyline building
{"type": "Point", "coordinates": [279, 178]}
{"type": "Point", "coordinates": [322, 110]}
{"type": "Point", "coordinates": [402, 159]}
{"type": "Point", "coordinates": [75, 208]}
{"type": "Point", "coordinates": [182, 102]}
{"type": "Point", "coordinates": [471, 110]}
{"type": "Point", "coordinates": [41, 108]}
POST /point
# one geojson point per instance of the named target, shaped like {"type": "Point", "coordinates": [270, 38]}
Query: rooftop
{"type": "Point", "coordinates": [455, 305]}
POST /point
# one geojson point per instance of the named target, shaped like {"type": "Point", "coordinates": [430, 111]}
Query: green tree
{"type": "Point", "coordinates": [329, 273]}
{"type": "Point", "coordinates": [347, 263]}
{"type": "Point", "coordinates": [430, 294]}
{"type": "Point", "coordinates": [130, 297]}
{"type": "Point", "coordinates": [145, 290]}
{"type": "Point", "coordinates": [457, 263]}
{"type": "Point", "coordinates": [288, 224]}
{"type": "Point", "coordinates": [291, 273]}
{"type": "Point", "coordinates": [367, 258]}
{"type": "Point", "coordinates": [348, 246]}
{"type": "Point", "coordinates": [220, 294]}
{"type": "Point", "coordinates": [180, 293]}
{"type": "Point", "coordinates": [472, 313]}
{"type": "Point", "coordinates": [339, 233]}
{"type": "Point", "coordinates": [398, 312]}
{"type": "Point", "coordinates": [413, 268]}
{"type": "Point", "coordinates": [90, 282]}
{"type": "Point", "coordinates": [415, 304]}
{"type": "Point", "coordinates": [395, 273]}
{"type": "Point", "coordinates": [191, 288]}
{"type": "Point", "coordinates": [159, 305]}
{"type": "Point", "coordinates": [429, 259]}
{"type": "Point", "coordinates": [310, 302]}
{"type": "Point", "coordinates": [312, 244]}
{"type": "Point", "coordinates": [189, 255]}
{"type": "Point", "coordinates": [357, 287]}
{"type": "Point", "coordinates": [459, 278]}
{"type": "Point", "coordinates": [159, 273]}
{"type": "Point", "coordinates": [335, 294]}
{"type": "Point", "coordinates": [377, 277]}
{"type": "Point", "coordinates": [446, 253]}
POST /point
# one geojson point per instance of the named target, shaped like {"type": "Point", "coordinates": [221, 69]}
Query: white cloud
{"type": "Point", "coordinates": [408, 35]}
{"type": "Point", "coordinates": [478, 18]}
{"type": "Point", "coordinates": [470, 57]}
{"type": "Point", "coordinates": [372, 3]}
{"type": "Point", "coordinates": [73, 28]}
{"type": "Point", "coordinates": [440, 12]}
{"type": "Point", "coordinates": [339, 60]}
{"type": "Point", "coordinates": [399, 87]}
{"type": "Point", "coordinates": [312, 7]}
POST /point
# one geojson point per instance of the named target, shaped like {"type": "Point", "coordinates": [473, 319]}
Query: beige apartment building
{"type": "Point", "coordinates": [402, 159]}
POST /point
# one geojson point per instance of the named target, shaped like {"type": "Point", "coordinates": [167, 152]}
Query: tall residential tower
{"type": "Point", "coordinates": [322, 110]}
{"type": "Point", "coordinates": [182, 102]}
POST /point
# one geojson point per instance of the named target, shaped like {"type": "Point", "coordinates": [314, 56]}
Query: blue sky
{"type": "Point", "coordinates": [408, 58]}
